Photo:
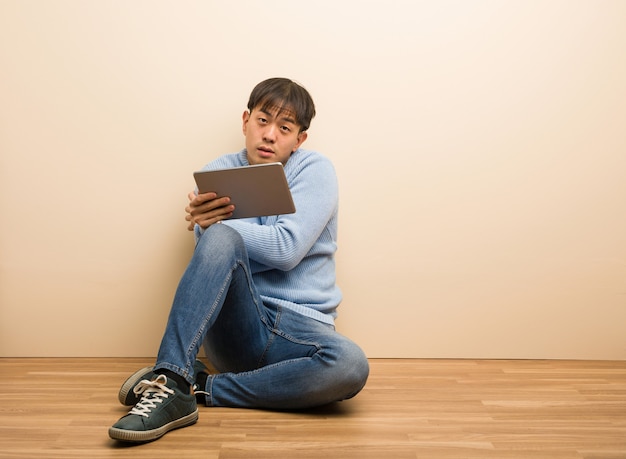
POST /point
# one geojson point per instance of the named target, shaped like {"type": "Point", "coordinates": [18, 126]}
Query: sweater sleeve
{"type": "Point", "coordinates": [281, 242]}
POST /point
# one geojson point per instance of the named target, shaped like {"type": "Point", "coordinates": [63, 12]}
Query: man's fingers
{"type": "Point", "coordinates": [206, 209]}
{"type": "Point", "coordinates": [204, 197]}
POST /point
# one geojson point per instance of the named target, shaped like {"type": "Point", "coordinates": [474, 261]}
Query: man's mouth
{"type": "Point", "coordinates": [264, 151]}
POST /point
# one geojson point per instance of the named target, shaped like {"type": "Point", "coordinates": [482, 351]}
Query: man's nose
{"type": "Point", "coordinates": [270, 133]}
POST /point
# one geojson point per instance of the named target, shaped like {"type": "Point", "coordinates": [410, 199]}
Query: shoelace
{"type": "Point", "coordinates": [196, 391]}
{"type": "Point", "coordinates": [153, 392]}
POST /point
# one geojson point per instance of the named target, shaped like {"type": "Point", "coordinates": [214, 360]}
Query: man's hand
{"type": "Point", "coordinates": [207, 209]}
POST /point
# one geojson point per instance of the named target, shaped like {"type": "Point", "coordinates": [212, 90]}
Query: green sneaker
{"type": "Point", "coordinates": [199, 383]}
{"type": "Point", "coordinates": [126, 395]}
{"type": "Point", "coordinates": [199, 367]}
{"type": "Point", "coordinates": [163, 407]}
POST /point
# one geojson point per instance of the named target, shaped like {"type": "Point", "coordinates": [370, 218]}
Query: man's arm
{"type": "Point", "coordinates": [289, 238]}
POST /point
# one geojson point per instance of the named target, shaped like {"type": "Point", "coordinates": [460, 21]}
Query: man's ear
{"type": "Point", "coordinates": [245, 118]}
{"type": "Point", "coordinates": [301, 138]}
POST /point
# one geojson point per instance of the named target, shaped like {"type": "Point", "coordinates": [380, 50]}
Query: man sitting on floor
{"type": "Point", "coordinates": [258, 293]}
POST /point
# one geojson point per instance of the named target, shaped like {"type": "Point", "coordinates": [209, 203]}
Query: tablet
{"type": "Point", "coordinates": [255, 191]}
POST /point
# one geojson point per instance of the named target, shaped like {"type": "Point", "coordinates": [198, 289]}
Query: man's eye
{"type": "Point", "coordinates": [285, 128]}
{"type": "Point", "coordinates": [262, 120]}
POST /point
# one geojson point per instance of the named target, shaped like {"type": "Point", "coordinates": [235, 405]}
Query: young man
{"type": "Point", "coordinates": [259, 293]}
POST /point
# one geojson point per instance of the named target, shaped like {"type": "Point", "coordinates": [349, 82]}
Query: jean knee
{"type": "Point", "coordinates": [353, 369]}
{"type": "Point", "coordinates": [220, 240]}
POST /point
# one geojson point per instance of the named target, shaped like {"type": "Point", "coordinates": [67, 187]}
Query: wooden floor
{"type": "Point", "coordinates": [62, 408]}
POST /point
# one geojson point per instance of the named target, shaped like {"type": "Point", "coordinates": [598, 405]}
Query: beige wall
{"type": "Point", "coordinates": [480, 147]}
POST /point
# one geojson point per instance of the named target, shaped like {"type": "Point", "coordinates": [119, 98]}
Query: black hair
{"type": "Point", "coordinates": [285, 95]}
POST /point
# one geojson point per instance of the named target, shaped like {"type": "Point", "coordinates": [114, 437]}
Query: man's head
{"type": "Point", "coordinates": [275, 124]}
{"type": "Point", "coordinates": [283, 94]}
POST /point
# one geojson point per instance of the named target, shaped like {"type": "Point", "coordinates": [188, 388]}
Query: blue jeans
{"type": "Point", "coordinates": [268, 356]}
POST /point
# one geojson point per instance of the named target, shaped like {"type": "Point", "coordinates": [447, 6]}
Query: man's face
{"type": "Point", "coordinates": [271, 136]}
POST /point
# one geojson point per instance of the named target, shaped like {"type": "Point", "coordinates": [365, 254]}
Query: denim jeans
{"type": "Point", "coordinates": [267, 356]}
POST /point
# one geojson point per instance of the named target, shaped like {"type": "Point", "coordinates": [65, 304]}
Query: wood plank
{"type": "Point", "coordinates": [434, 409]}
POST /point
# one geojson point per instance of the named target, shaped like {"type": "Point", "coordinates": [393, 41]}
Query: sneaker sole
{"type": "Point", "coordinates": [143, 436]}
{"type": "Point", "coordinates": [129, 384]}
